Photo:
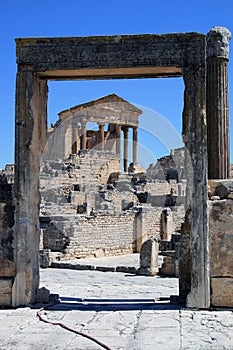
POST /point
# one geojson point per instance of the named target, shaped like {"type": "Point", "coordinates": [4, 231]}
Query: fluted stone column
{"type": "Point", "coordinates": [126, 146]}
{"type": "Point", "coordinates": [217, 103]}
{"type": "Point", "coordinates": [135, 145]}
{"type": "Point", "coordinates": [101, 136]}
{"type": "Point", "coordinates": [83, 135]}
{"type": "Point", "coordinates": [118, 140]}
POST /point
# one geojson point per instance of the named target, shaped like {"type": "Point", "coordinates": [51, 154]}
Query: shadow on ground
{"type": "Point", "coordinates": [92, 304]}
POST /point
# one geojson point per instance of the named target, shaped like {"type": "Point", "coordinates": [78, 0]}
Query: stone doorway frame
{"type": "Point", "coordinates": [110, 57]}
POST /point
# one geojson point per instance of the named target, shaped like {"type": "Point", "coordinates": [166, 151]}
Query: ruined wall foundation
{"type": "Point", "coordinates": [221, 242]}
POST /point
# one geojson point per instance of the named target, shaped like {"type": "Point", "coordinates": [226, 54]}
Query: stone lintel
{"type": "Point", "coordinates": [108, 52]}
{"type": "Point", "coordinates": [103, 119]}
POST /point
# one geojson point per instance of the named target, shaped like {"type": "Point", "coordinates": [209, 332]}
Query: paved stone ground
{"type": "Point", "coordinates": [122, 310]}
{"type": "Point", "coordinates": [131, 260]}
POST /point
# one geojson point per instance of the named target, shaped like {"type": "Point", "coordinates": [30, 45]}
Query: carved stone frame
{"type": "Point", "coordinates": [130, 56]}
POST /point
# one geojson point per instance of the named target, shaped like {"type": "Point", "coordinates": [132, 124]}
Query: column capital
{"type": "Point", "coordinates": [218, 42]}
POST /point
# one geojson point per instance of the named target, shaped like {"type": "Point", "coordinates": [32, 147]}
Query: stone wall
{"type": "Point", "coordinates": [104, 233]}
{"type": "Point", "coordinates": [153, 220]}
{"type": "Point", "coordinates": [160, 187]}
{"type": "Point", "coordinates": [7, 264]}
{"type": "Point", "coordinates": [7, 175]}
{"type": "Point", "coordinates": [178, 214]}
{"type": "Point", "coordinates": [88, 166]}
{"type": "Point", "coordinates": [164, 200]}
{"type": "Point", "coordinates": [169, 167]}
{"type": "Point", "coordinates": [221, 262]}
{"type": "Point", "coordinates": [96, 235]}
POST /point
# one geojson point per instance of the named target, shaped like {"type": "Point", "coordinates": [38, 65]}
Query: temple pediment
{"type": "Point", "coordinates": [108, 104]}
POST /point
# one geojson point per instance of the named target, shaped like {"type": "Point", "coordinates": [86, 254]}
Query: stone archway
{"type": "Point", "coordinates": [110, 57]}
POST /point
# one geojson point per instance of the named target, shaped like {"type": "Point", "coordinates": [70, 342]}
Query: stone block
{"type": "Point", "coordinates": [165, 245]}
{"type": "Point", "coordinates": [224, 189]}
{"type": "Point", "coordinates": [211, 187]}
{"type": "Point", "coordinates": [215, 198]}
{"type": "Point", "coordinates": [168, 266]}
{"type": "Point", "coordinates": [45, 258]}
{"type": "Point", "coordinates": [42, 295]}
{"type": "Point", "coordinates": [7, 268]}
{"type": "Point", "coordinates": [127, 269]}
{"type": "Point", "coordinates": [5, 291]}
{"type": "Point", "coordinates": [230, 195]}
{"type": "Point", "coordinates": [149, 258]}
{"type": "Point", "coordinates": [221, 237]}
{"type": "Point", "coordinates": [84, 267]}
{"type": "Point", "coordinates": [222, 292]}
{"type": "Point", "coordinates": [221, 188]}
{"type": "Point", "coordinates": [106, 268]}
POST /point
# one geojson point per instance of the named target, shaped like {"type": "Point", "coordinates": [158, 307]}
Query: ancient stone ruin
{"type": "Point", "coordinates": [201, 60]}
{"type": "Point", "coordinates": [89, 207]}
{"type": "Point", "coordinates": [149, 257]}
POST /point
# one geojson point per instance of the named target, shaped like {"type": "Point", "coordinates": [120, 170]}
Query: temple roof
{"type": "Point", "coordinates": [112, 98]}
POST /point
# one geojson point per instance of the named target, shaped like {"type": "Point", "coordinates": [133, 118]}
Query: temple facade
{"type": "Point", "coordinates": [75, 131]}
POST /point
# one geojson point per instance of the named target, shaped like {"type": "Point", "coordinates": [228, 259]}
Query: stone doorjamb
{"type": "Point", "coordinates": [127, 56]}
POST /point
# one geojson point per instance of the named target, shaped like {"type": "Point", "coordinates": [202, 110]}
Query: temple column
{"type": "Point", "coordinates": [135, 145]}
{"type": "Point", "coordinates": [83, 135]}
{"type": "Point", "coordinates": [66, 144]}
{"type": "Point", "coordinates": [74, 138]}
{"type": "Point", "coordinates": [126, 146]}
{"type": "Point", "coordinates": [101, 136]}
{"type": "Point", "coordinates": [118, 139]}
{"type": "Point", "coordinates": [217, 103]}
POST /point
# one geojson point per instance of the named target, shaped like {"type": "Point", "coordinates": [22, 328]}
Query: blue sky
{"type": "Point", "coordinates": [161, 98]}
